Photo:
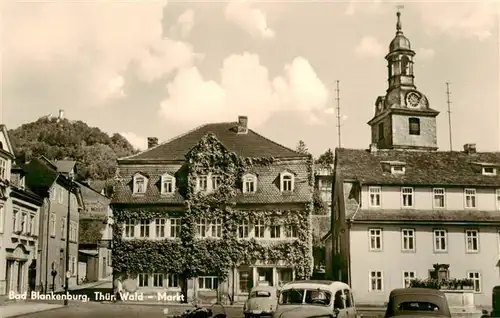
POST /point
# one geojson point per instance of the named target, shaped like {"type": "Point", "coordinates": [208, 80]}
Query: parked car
{"type": "Point", "coordinates": [417, 302]}
{"type": "Point", "coordinates": [315, 298]}
{"type": "Point", "coordinates": [261, 301]}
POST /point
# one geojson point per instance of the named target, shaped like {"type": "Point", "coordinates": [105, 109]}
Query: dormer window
{"type": "Point", "coordinates": [394, 167]}
{"type": "Point", "coordinates": [397, 169]}
{"type": "Point", "coordinates": [287, 182]}
{"type": "Point", "coordinates": [249, 183]}
{"type": "Point", "coordinates": [167, 184]}
{"type": "Point", "coordinates": [140, 183]}
{"type": "Point", "coordinates": [202, 183]}
{"type": "Point", "coordinates": [489, 171]}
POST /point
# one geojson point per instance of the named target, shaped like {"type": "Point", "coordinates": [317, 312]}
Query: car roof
{"type": "Point", "coordinates": [413, 291]}
{"type": "Point", "coordinates": [263, 288]}
{"type": "Point", "coordinates": [327, 284]}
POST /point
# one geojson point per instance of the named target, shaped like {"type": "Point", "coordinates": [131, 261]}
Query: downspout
{"type": "Point", "coordinates": [47, 246]}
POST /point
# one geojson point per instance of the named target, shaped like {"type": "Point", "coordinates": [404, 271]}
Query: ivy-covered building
{"type": "Point", "coordinates": [216, 209]}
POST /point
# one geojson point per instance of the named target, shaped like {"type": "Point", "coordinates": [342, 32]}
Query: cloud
{"type": "Point", "coordinates": [74, 44]}
{"type": "Point", "coordinates": [254, 21]}
{"type": "Point", "coordinates": [186, 22]}
{"type": "Point", "coordinates": [355, 6]}
{"type": "Point", "coordinates": [473, 19]}
{"type": "Point", "coordinates": [369, 46]}
{"type": "Point", "coordinates": [115, 88]}
{"type": "Point", "coordinates": [426, 53]}
{"type": "Point", "coordinates": [136, 141]}
{"type": "Point", "coordinates": [245, 88]}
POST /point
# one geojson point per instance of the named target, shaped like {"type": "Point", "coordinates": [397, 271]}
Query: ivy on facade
{"type": "Point", "coordinates": [190, 256]}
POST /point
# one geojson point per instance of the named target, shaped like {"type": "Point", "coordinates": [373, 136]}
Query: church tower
{"type": "Point", "coordinates": [403, 118]}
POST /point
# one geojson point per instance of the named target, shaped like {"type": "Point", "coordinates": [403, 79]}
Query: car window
{"type": "Point", "coordinates": [348, 298]}
{"type": "Point", "coordinates": [260, 293]}
{"type": "Point", "coordinates": [318, 297]}
{"type": "Point", "coordinates": [417, 306]}
{"type": "Point", "coordinates": [291, 297]}
{"type": "Point", "coordinates": [339, 302]}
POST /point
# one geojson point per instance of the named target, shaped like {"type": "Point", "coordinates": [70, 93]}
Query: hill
{"type": "Point", "coordinates": [57, 139]}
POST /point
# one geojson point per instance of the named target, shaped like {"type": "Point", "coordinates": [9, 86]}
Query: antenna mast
{"type": "Point", "coordinates": [448, 94]}
{"type": "Point", "coordinates": [338, 113]}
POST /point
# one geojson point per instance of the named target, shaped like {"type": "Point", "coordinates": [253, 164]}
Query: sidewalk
{"type": "Point", "coordinates": [24, 308]}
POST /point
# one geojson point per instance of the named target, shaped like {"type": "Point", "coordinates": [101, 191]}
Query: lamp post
{"type": "Point", "coordinates": [68, 220]}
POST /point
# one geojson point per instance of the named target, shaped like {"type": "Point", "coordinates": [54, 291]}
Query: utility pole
{"type": "Point", "coordinates": [67, 273]}
{"type": "Point", "coordinates": [448, 94]}
{"type": "Point", "coordinates": [338, 113]}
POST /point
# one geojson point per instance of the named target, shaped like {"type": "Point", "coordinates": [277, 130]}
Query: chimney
{"type": "Point", "coordinates": [61, 114]}
{"type": "Point", "coordinates": [470, 148]}
{"type": "Point", "coordinates": [373, 148]}
{"type": "Point", "coordinates": [152, 142]}
{"type": "Point", "coordinates": [242, 124]}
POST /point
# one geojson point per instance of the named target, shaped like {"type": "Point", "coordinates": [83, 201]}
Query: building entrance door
{"type": "Point", "coordinates": [8, 277]}
{"type": "Point", "coordinates": [20, 276]}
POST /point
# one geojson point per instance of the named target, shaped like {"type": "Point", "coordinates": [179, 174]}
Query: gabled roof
{"type": "Point", "coordinates": [248, 145]}
{"type": "Point", "coordinates": [65, 166]}
{"type": "Point", "coordinates": [40, 176]}
{"type": "Point", "coordinates": [422, 167]}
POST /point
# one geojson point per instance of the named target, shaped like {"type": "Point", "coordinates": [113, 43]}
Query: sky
{"type": "Point", "coordinates": [159, 69]}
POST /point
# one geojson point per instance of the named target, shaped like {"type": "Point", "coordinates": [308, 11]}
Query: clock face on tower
{"type": "Point", "coordinates": [413, 99]}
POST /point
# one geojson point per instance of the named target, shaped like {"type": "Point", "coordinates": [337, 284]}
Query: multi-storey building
{"type": "Point", "coordinates": [218, 199]}
{"type": "Point", "coordinates": [402, 209]}
{"type": "Point", "coordinates": [60, 193]}
{"type": "Point", "coordinates": [19, 213]}
{"type": "Point", "coordinates": [94, 236]}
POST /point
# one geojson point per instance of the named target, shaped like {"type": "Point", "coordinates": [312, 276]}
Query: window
{"type": "Point", "coordinates": [375, 236]}
{"type": "Point", "coordinates": [407, 197]}
{"type": "Point", "coordinates": [286, 182]}
{"type": "Point", "coordinates": [414, 126]}
{"type": "Point", "coordinates": [63, 228]}
{"type": "Point", "coordinates": [61, 196]}
{"type": "Point", "coordinates": [167, 184]}
{"type": "Point", "coordinates": [201, 228]}
{"type": "Point", "coordinates": [259, 228]}
{"type": "Point", "coordinates": [376, 281]}
{"type": "Point", "coordinates": [476, 278]}
{"type": "Point", "coordinates": [24, 222]}
{"type": "Point", "coordinates": [398, 169]}
{"type": "Point", "coordinates": [175, 227]}
{"type": "Point", "coordinates": [15, 216]}
{"type": "Point", "coordinates": [497, 198]}
{"type": "Point", "coordinates": [243, 229]}
{"type": "Point", "coordinates": [216, 227]}
{"type": "Point", "coordinates": [349, 301]}
{"type": "Point", "coordinates": [173, 281]}
{"type": "Point", "coordinates": [144, 228]}
{"type": "Point", "coordinates": [275, 231]}
{"type": "Point", "coordinates": [489, 171]}
{"type": "Point", "coordinates": [2, 218]}
{"type": "Point", "coordinates": [472, 241]}
{"type": "Point", "coordinates": [381, 131]}
{"type": "Point", "coordinates": [405, 66]}
{"type": "Point", "coordinates": [440, 241]}
{"type": "Point", "coordinates": [139, 184]}
{"type": "Point", "coordinates": [53, 224]}
{"type": "Point", "coordinates": [32, 228]}
{"type": "Point", "coordinates": [3, 169]}
{"type": "Point", "coordinates": [338, 302]}
{"type": "Point", "coordinates": [291, 231]}
{"type": "Point", "coordinates": [129, 228]}
{"type": "Point", "coordinates": [143, 280]}
{"type": "Point", "coordinates": [439, 201]}
{"type": "Point", "coordinates": [325, 188]}
{"type": "Point", "coordinates": [408, 276]}
{"type": "Point", "coordinates": [470, 198]}
{"type": "Point", "coordinates": [160, 225]}
{"type": "Point", "coordinates": [207, 282]}
{"type": "Point", "coordinates": [216, 182]}
{"type": "Point", "coordinates": [53, 194]}
{"type": "Point", "coordinates": [157, 280]}
{"type": "Point", "coordinates": [244, 279]}
{"type": "Point", "coordinates": [202, 183]}
{"type": "Point", "coordinates": [249, 183]}
{"type": "Point", "coordinates": [374, 196]}
{"type": "Point", "coordinates": [408, 240]}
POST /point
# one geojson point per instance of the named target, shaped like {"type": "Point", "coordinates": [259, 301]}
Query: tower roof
{"type": "Point", "coordinates": [400, 42]}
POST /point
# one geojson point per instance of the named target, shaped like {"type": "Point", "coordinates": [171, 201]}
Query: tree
{"type": "Point", "coordinates": [302, 148]}
{"type": "Point", "coordinates": [327, 158]}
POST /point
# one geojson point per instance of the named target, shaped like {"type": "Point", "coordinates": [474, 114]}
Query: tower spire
{"type": "Point", "coordinates": [398, 24]}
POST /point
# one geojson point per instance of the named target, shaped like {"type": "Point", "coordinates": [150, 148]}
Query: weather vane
{"type": "Point", "coordinates": [398, 24]}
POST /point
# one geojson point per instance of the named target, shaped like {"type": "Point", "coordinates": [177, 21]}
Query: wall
{"type": "Point", "coordinates": [402, 137]}
{"type": "Point", "coordinates": [388, 133]}
{"type": "Point", "coordinates": [392, 261]}
{"type": "Point", "coordinates": [423, 198]}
